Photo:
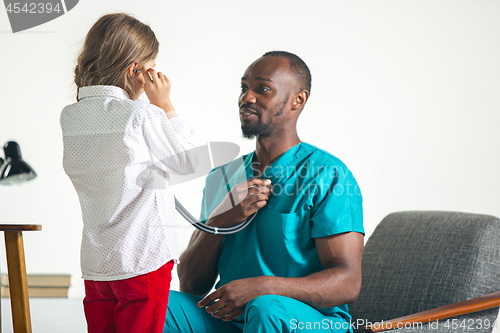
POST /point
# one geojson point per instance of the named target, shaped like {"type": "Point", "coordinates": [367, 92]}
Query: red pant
{"type": "Point", "coordinates": [138, 304]}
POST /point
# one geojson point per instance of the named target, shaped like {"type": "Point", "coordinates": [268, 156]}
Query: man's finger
{"type": "Point", "coordinates": [257, 205]}
{"type": "Point", "coordinates": [258, 189]}
{"type": "Point", "coordinates": [217, 309]}
{"type": "Point", "coordinates": [233, 315]}
{"type": "Point", "coordinates": [222, 313]}
{"type": "Point", "coordinates": [257, 181]}
{"type": "Point", "coordinates": [257, 197]}
{"type": "Point", "coordinates": [209, 299]}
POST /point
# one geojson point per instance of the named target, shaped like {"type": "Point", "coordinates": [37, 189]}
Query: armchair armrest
{"type": "Point", "coordinates": [456, 309]}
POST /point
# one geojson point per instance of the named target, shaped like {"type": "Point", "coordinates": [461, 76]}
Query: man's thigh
{"type": "Point", "coordinates": [184, 315]}
{"type": "Point", "coordinates": [273, 313]}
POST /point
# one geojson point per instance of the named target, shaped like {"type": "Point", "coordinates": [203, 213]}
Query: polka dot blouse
{"type": "Point", "coordinates": [111, 144]}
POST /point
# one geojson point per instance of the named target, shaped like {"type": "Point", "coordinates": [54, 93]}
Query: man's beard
{"type": "Point", "coordinates": [261, 129]}
{"type": "Point", "coordinates": [251, 131]}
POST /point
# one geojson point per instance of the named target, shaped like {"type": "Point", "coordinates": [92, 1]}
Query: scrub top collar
{"type": "Point", "coordinates": [281, 168]}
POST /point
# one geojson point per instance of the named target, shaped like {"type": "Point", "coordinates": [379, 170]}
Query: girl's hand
{"type": "Point", "coordinates": [157, 88]}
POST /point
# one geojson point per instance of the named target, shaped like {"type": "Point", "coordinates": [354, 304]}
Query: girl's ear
{"type": "Point", "coordinates": [135, 79]}
{"type": "Point", "coordinates": [132, 69]}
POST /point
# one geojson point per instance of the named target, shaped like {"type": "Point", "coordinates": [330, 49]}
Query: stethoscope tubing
{"type": "Point", "coordinates": [209, 229]}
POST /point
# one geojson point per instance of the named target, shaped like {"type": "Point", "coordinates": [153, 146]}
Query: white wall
{"type": "Point", "coordinates": [406, 93]}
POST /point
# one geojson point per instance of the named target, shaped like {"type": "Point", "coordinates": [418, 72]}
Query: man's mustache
{"type": "Point", "coordinates": [248, 106]}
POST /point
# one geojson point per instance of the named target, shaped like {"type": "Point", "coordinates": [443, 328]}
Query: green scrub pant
{"type": "Point", "coordinates": [264, 314]}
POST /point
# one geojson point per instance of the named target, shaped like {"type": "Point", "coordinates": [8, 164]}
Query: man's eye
{"type": "Point", "coordinates": [264, 89]}
{"type": "Point", "coordinates": [243, 88]}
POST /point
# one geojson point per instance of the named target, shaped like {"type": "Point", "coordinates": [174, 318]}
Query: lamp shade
{"type": "Point", "coordinates": [14, 170]}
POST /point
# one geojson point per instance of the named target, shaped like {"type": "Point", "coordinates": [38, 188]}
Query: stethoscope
{"type": "Point", "coordinates": [230, 152]}
{"type": "Point", "coordinates": [209, 229]}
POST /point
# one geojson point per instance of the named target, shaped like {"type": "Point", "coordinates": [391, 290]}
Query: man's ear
{"type": "Point", "coordinates": [300, 100]}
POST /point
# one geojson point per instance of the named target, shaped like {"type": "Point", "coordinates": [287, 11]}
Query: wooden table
{"type": "Point", "coordinates": [16, 266]}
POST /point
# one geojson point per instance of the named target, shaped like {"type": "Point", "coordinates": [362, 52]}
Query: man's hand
{"type": "Point", "coordinates": [198, 271]}
{"type": "Point", "coordinates": [230, 299]}
{"type": "Point", "coordinates": [157, 87]}
{"type": "Point", "coordinates": [242, 201]}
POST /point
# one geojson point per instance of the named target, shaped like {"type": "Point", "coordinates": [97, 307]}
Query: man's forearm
{"type": "Point", "coordinates": [330, 287]}
{"type": "Point", "coordinates": [198, 268]}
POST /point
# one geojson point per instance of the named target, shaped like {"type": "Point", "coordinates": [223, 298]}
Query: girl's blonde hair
{"type": "Point", "coordinates": [113, 43]}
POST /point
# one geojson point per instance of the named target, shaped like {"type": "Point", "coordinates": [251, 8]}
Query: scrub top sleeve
{"type": "Point", "coordinates": [204, 214]}
{"type": "Point", "coordinates": [171, 145]}
{"type": "Point", "coordinates": [211, 194]}
{"type": "Point", "coordinates": [338, 205]}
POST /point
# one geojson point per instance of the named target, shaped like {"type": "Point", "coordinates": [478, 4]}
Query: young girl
{"type": "Point", "coordinates": [129, 243]}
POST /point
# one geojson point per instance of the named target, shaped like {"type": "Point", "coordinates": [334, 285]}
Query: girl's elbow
{"type": "Point", "coordinates": [192, 162]}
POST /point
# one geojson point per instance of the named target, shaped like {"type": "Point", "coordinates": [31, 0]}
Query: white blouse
{"type": "Point", "coordinates": [128, 218]}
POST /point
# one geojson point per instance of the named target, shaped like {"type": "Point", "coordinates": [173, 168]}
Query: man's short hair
{"type": "Point", "coordinates": [297, 66]}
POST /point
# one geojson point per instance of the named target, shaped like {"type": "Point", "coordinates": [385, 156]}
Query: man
{"type": "Point", "coordinates": [294, 268]}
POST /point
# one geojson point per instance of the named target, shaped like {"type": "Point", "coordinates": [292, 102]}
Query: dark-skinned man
{"type": "Point", "coordinates": [298, 264]}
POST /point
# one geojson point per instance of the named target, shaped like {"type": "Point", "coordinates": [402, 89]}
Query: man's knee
{"type": "Point", "coordinates": [267, 309]}
{"type": "Point", "coordinates": [179, 305]}
{"type": "Point", "coordinates": [273, 313]}
{"type": "Point", "coordinates": [184, 315]}
{"type": "Point", "coordinates": [175, 300]}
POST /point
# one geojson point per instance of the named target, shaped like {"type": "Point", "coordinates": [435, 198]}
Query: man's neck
{"type": "Point", "coordinates": [269, 149]}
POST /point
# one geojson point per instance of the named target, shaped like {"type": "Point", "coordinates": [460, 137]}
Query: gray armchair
{"type": "Point", "coordinates": [418, 261]}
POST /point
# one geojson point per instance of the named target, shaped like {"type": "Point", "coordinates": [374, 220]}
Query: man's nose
{"type": "Point", "coordinates": [247, 97]}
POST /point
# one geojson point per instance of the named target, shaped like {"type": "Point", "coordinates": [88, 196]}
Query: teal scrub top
{"type": "Point", "coordinates": [314, 195]}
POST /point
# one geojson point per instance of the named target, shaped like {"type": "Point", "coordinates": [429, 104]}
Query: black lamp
{"type": "Point", "coordinates": [14, 170]}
